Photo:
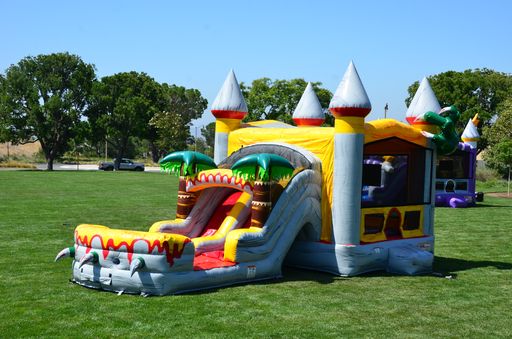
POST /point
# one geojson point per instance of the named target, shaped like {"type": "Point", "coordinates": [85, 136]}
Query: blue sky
{"type": "Point", "coordinates": [195, 43]}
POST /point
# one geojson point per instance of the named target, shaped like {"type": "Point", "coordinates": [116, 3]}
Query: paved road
{"type": "Point", "coordinates": [66, 167]}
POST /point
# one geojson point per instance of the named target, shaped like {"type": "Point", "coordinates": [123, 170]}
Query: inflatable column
{"type": "Point", "coordinates": [470, 137]}
{"type": "Point", "coordinates": [229, 108]}
{"type": "Point", "coordinates": [423, 101]}
{"type": "Point", "coordinates": [349, 105]}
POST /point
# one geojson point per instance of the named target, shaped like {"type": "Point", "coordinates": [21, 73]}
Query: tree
{"type": "Point", "coordinates": [208, 133]}
{"type": "Point", "coordinates": [43, 98]}
{"type": "Point", "coordinates": [472, 91]}
{"type": "Point", "coordinates": [201, 146]}
{"type": "Point", "coordinates": [499, 136]}
{"type": "Point", "coordinates": [277, 99]}
{"type": "Point", "coordinates": [121, 108]}
{"type": "Point", "coordinates": [4, 125]}
{"type": "Point", "coordinates": [172, 123]}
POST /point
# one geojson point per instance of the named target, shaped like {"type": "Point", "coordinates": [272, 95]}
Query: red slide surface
{"type": "Point", "coordinates": [215, 259]}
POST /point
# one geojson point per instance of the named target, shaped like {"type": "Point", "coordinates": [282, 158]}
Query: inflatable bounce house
{"type": "Point", "coordinates": [455, 172]}
{"type": "Point", "coordinates": [348, 199]}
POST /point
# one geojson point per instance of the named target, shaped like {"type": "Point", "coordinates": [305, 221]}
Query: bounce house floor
{"type": "Point", "coordinates": [209, 260]}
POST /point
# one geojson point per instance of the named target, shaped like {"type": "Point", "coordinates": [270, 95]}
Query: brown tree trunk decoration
{"type": "Point", "coordinates": [186, 200]}
{"type": "Point", "coordinates": [261, 203]}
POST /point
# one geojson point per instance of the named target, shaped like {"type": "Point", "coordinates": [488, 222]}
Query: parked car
{"type": "Point", "coordinates": [124, 165]}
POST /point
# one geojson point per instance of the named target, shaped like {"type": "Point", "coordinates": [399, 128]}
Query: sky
{"type": "Point", "coordinates": [195, 43]}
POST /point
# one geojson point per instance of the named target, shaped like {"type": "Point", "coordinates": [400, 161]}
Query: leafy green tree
{"type": "Point", "coordinates": [499, 136]}
{"type": "Point", "coordinates": [43, 98]}
{"type": "Point", "coordinates": [472, 91]}
{"type": "Point", "coordinates": [172, 123]}
{"type": "Point", "coordinates": [208, 133]}
{"type": "Point", "coordinates": [121, 108]}
{"type": "Point", "coordinates": [4, 124]}
{"type": "Point", "coordinates": [200, 146]}
{"type": "Point", "coordinates": [499, 157]}
{"type": "Point", "coordinates": [277, 99]}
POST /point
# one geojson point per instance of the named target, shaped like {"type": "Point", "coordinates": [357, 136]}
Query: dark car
{"type": "Point", "coordinates": [124, 165]}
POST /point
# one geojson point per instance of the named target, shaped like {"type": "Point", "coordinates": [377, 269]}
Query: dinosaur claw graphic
{"type": "Point", "coordinates": [136, 264]}
{"type": "Point", "coordinates": [67, 252]}
{"type": "Point", "coordinates": [90, 257]}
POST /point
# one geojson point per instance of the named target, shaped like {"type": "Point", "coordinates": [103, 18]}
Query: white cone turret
{"type": "Point", "coordinates": [350, 98]}
{"type": "Point", "coordinates": [308, 111]}
{"type": "Point", "coordinates": [424, 100]}
{"type": "Point", "coordinates": [470, 135]}
{"type": "Point", "coordinates": [229, 108]}
{"type": "Point", "coordinates": [230, 102]}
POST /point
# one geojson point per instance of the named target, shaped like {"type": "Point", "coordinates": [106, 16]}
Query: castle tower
{"type": "Point", "coordinates": [349, 105]}
{"type": "Point", "coordinates": [470, 135]}
{"type": "Point", "coordinates": [229, 108]}
{"type": "Point", "coordinates": [308, 111]}
{"type": "Point", "coordinates": [424, 100]}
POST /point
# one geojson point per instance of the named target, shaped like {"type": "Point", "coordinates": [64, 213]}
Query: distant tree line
{"type": "Point", "coordinates": [58, 100]}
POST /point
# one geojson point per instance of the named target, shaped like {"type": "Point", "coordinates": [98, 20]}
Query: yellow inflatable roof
{"type": "Point", "coordinates": [320, 142]}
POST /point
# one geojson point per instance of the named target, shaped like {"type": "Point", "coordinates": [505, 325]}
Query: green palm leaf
{"type": "Point", "coordinates": [263, 166]}
{"type": "Point", "coordinates": [192, 162]}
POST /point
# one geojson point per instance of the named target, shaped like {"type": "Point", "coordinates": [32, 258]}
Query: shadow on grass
{"type": "Point", "coordinates": [290, 274]}
{"type": "Point", "coordinates": [448, 266]}
{"type": "Point", "coordinates": [451, 265]}
{"type": "Point", "coordinates": [297, 274]}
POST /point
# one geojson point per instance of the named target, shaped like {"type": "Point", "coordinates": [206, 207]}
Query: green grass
{"type": "Point", "coordinates": [492, 186]}
{"type": "Point", "coordinates": [39, 210]}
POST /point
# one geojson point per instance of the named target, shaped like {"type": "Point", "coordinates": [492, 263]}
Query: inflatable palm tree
{"type": "Point", "coordinates": [186, 164]}
{"type": "Point", "coordinates": [262, 169]}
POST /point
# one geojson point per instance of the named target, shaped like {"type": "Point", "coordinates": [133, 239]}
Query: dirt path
{"type": "Point", "coordinates": [500, 195]}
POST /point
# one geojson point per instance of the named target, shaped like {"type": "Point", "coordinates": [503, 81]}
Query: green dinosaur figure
{"type": "Point", "coordinates": [448, 140]}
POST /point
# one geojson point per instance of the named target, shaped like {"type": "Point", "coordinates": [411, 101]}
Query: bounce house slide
{"type": "Point", "coordinates": [212, 247]}
{"type": "Point", "coordinates": [277, 192]}
{"type": "Point", "coordinates": [193, 225]}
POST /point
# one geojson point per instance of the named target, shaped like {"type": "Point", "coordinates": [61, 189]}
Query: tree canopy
{"type": "Point", "coordinates": [4, 124]}
{"type": "Point", "coordinates": [173, 122]}
{"type": "Point", "coordinates": [43, 98]}
{"type": "Point", "coordinates": [499, 136]}
{"type": "Point", "coordinates": [57, 100]}
{"type": "Point", "coordinates": [277, 99]}
{"type": "Point", "coordinates": [122, 106]}
{"type": "Point", "coordinates": [208, 133]}
{"type": "Point", "coordinates": [472, 91]}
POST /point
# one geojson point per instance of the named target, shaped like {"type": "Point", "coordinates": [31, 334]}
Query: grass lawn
{"type": "Point", "coordinates": [39, 210]}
